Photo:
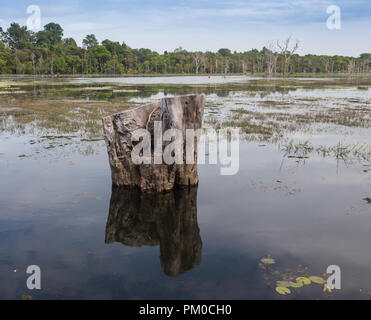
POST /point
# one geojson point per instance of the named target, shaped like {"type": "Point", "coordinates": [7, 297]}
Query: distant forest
{"type": "Point", "coordinates": [46, 52]}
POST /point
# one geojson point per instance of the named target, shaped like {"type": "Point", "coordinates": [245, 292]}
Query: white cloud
{"type": "Point", "coordinates": [86, 27]}
{"type": "Point", "coordinates": [202, 25]}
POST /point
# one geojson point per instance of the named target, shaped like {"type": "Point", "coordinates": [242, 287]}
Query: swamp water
{"type": "Point", "coordinates": [301, 197]}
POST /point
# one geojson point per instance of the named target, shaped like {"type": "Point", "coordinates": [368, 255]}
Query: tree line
{"type": "Point", "coordinates": [47, 53]}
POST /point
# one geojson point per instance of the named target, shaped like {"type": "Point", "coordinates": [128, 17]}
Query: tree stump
{"type": "Point", "coordinates": [181, 113]}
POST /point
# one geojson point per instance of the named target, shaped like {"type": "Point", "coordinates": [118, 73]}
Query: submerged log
{"type": "Point", "coordinates": [167, 219]}
{"type": "Point", "coordinates": [180, 113]}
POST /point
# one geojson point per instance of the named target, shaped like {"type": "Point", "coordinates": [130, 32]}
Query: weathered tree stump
{"type": "Point", "coordinates": [180, 113]}
{"type": "Point", "coordinates": [167, 219]}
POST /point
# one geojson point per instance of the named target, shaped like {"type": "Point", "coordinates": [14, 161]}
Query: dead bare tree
{"type": "Point", "coordinates": [33, 56]}
{"type": "Point", "coordinates": [286, 52]}
{"type": "Point", "coordinates": [272, 57]}
{"type": "Point", "coordinates": [328, 64]}
{"type": "Point", "coordinates": [245, 63]}
{"type": "Point", "coordinates": [198, 57]}
{"type": "Point", "coordinates": [351, 66]}
{"type": "Point", "coordinates": [52, 56]}
{"type": "Point", "coordinates": [226, 65]}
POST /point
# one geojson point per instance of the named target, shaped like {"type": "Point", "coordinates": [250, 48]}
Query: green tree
{"type": "Point", "coordinates": [113, 66]}
{"type": "Point", "coordinates": [90, 41]}
{"type": "Point", "coordinates": [54, 32]}
{"type": "Point", "coordinates": [46, 52]}
{"type": "Point", "coordinates": [102, 55]}
{"type": "Point", "coordinates": [50, 36]}
{"type": "Point", "coordinates": [69, 42]}
{"type": "Point", "coordinates": [60, 65]}
{"type": "Point", "coordinates": [74, 63]}
{"type": "Point", "coordinates": [17, 37]}
{"type": "Point", "coordinates": [224, 52]}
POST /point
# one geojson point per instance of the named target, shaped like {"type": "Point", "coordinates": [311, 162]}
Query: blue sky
{"type": "Point", "coordinates": [206, 25]}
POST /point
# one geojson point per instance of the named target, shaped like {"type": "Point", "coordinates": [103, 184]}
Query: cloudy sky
{"type": "Point", "coordinates": [206, 24]}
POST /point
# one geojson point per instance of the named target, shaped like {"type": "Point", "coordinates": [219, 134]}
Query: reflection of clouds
{"type": "Point", "coordinates": [310, 226]}
{"type": "Point", "coordinates": [286, 187]}
{"type": "Point", "coordinates": [42, 186]}
{"type": "Point", "coordinates": [239, 226]}
{"type": "Point", "coordinates": [71, 255]}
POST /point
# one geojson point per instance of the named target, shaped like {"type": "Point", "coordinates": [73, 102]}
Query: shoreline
{"type": "Point", "coordinates": [147, 75]}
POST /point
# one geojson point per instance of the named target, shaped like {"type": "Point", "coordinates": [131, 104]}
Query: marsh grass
{"type": "Point", "coordinates": [345, 152]}
{"type": "Point", "coordinates": [52, 118]}
{"type": "Point", "coordinates": [271, 120]}
{"type": "Point", "coordinates": [262, 109]}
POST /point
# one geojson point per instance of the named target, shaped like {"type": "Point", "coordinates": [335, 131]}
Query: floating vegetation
{"type": "Point", "coordinates": [300, 282]}
{"type": "Point", "coordinates": [292, 281]}
{"type": "Point", "coordinates": [288, 188]}
{"type": "Point", "coordinates": [296, 284]}
{"type": "Point", "coordinates": [300, 149]}
{"type": "Point", "coordinates": [304, 280]}
{"type": "Point", "coordinates": [326, 288]}
{"type": "Point", "coordinates": [283, 290]}
{"type": "Point", "coordinates": [368, 200]}
{"type": "Point", "coordinates": [317, 279]}
{"type": "Point", "coordinates": [264, 111]}
{"type": "Point", "coordinates": [345, 152]}
{"type": "Point", "coordinates": [58, 119]}
{"type": "Point", "coordinates": [274, 117]}
{"type": "Point", "coordinates": [267, 261]}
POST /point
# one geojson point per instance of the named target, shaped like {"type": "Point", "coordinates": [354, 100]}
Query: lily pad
{"type": "Point", "coordinates": [326, 288]}
{"type": "Point", "coordinates": [267, 261]}
{"type": "Point", "coordinates": [283, 290]}
{"type": "Point", "coordinates": [296, 284]}
{"type": "Point", "coordinates": [304, 280]}
{"type": "Point", "coordinates": [317, 280]}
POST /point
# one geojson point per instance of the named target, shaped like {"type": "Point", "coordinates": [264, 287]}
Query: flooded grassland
{"type": "Point", "coordinates": [299, 203]}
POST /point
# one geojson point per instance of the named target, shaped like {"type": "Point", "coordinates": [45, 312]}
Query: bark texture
{"type": "Point", "coordinates": [181, 113]}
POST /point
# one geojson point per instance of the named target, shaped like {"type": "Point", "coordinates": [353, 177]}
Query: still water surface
{"type": "Point", "coordinates": [59, 211]}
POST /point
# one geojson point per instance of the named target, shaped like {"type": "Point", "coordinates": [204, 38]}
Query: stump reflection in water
{"type": "Point", "coordinates": [166, 219]}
